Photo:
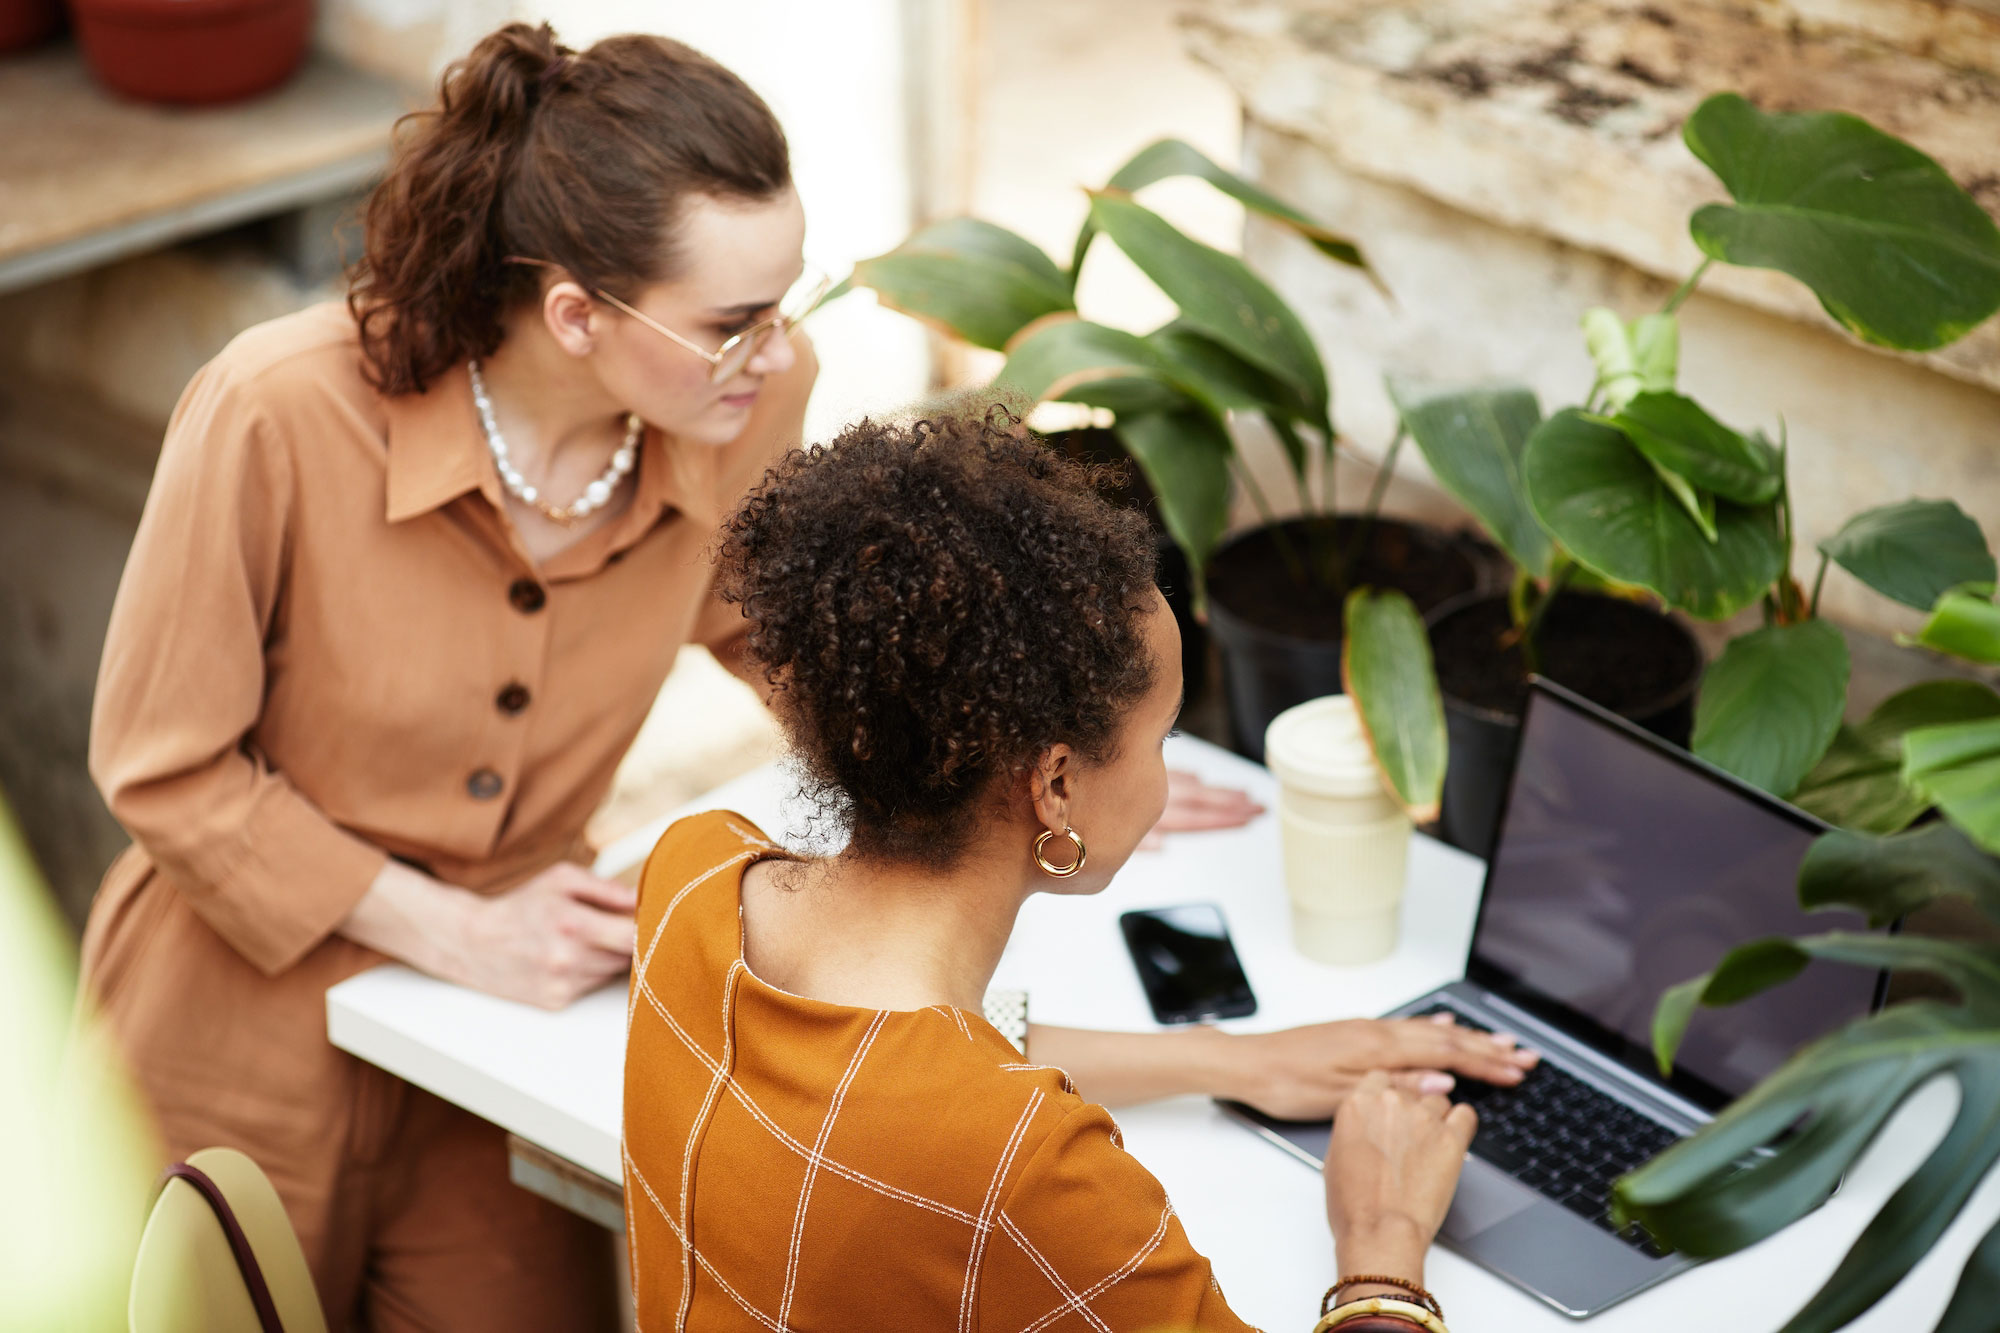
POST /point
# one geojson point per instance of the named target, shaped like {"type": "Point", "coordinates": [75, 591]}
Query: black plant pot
{"type": "Point", "coordinates": [1098, 446]}
{"type": "Point", "coordinates": [1633, 660]}
{"type": "Point", "coordinates": [1280, 639]}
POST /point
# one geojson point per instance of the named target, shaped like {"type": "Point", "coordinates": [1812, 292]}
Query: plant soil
{"type": "Point", "coordinates": [1253, 580]}
{"type": "Point", "coordinates": [1623, 656]}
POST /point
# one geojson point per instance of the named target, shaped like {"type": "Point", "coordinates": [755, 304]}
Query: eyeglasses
{"type": "Point", "coordinates": [727, 361]}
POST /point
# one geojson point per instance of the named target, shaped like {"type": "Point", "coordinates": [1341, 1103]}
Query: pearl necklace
{"type": "Point", "coordinates": [595, 496]}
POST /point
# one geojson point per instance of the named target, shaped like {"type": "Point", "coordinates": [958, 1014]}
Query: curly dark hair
{"type": "Point", "coordinates": [936, 604]}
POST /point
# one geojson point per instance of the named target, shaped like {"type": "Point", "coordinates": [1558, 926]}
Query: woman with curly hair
{"type": "Point", "coordinates": [977, 675]}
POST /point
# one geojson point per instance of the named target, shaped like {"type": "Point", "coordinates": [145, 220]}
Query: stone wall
{"type": "Point", "coordinates": [1507, 165]}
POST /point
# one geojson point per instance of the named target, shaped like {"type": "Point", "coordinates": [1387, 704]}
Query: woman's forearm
{"type": "Point", "coordinates": [1121, 1068]}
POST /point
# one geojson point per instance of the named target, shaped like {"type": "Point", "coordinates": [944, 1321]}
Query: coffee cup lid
{"type": "Point", "coordinates": [1319, 746]}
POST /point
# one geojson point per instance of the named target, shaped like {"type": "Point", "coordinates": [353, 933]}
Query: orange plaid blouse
{"type": "Point", "coordinates": [791, 1164]}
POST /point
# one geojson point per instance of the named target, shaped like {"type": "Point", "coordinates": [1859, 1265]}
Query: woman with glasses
{"type": "Point", "coordinates": [411, 573]}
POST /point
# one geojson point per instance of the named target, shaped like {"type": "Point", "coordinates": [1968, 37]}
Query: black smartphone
{"type": "Point", "coordinates": [1187, 963]}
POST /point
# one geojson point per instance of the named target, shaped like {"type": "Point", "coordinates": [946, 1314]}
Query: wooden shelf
{"type": "Point", "coordinates": [87, 178]}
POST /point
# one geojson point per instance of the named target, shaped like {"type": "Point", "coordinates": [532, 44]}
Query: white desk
{"type": "Point", "coordinates": [555, 1079]}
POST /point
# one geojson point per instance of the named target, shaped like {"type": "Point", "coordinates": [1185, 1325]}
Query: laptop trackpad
{"type": "Point", "coordinates": [1485, 1196]}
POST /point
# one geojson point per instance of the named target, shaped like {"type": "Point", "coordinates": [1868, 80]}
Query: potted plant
{"type": "Point", "coordinates": [1640, 490]}
{"type": "Point", "coordinates": [1716, 1193]}
{"type": "Point", "coordinates": [1274, 597]}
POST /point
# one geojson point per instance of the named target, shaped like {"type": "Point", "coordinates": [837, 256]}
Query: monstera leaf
{"type": "Point", "coordinates": [1602, 500]}
{"type": "Point", "coordinates": [1859, 784]}
{"type": "Point", "coordinates": [1716, 1193]}
{"type": "Point", "coordinates": [1171, 157]}
{"type": "Point", "coordinates": [1219, 297]}
{"type": "Point", "coordinates": [1770, 704]}
{"type": "Point", "coordinates": [1473, 437]}
{"type": "Point", "coordinates": [1890, 244]}
{"type": "Point", "coordinates": [1914, 551]}
{"type": "Point", "coordinates": [968, 278]}
{"type": "Point", "coordinates": [1385, 666]}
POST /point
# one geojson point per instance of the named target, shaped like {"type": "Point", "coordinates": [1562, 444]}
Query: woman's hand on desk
{"type": "Point", "coordinates": [1306, 1073]}
{"type": "Point", "coordinates": [1193, 806]}
{"type": "Point", "coordinates": [545, 942]}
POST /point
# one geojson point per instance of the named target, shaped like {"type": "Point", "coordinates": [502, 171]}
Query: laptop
{"type": "Point", "coordinates": [1623, 866]}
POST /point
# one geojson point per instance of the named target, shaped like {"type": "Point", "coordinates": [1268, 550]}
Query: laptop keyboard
{"type": "Point", "coordinates": [1562, 1137]}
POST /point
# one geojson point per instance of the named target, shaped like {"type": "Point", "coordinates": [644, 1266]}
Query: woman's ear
{"type": "Point", "coordinates": [571, 314]}
{"type": "Point", "coordinates": [1049, 787]}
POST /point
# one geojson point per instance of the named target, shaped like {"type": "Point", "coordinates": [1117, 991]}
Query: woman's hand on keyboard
{"type": "Point", "coordinates": [1391, 1167]}
{"type": "Point", "coordinates": [1306, 1073]}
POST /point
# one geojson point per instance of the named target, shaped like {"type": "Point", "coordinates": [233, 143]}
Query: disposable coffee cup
{"type": "Point", "coordinates": [1346, 841]}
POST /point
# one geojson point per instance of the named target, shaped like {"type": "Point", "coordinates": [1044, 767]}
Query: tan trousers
{"type": "Point", "coordinates": [401, 1201]}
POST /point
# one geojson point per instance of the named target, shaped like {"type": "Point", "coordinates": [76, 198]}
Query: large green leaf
{"type": "Point", "coordinates": [1227, 378]}
{"type": "Point", "coordinates": [969, 278]}
{"type": "Point", "coordinates": [1966, 625]}
{"type": "Point", "coordinates": [1185, 457]}
{"type": "Point", "coordinates": [1472, 437]}
{"type": "Point", "coordinates": [1859, 783]}
{"type": "Point", "coordinates": [1678, 435]}
{"type": "Point", "coordinates": [1770, 704]}
{"type": "Point", "coordinates": [1703, 1197]}
{"type": "Point", "coordinates": [1385, 665]}
{"type": "Point", "coordinates": [1885, 878]}
{"type": "Point", "coordinates": [1078, 361]}
{"type": "Point", "coordinates": [1600, 498]}
{"type": "Point", "coordinates": [1171, 157]}
{"type": "Point", "coordinates": [1978, 1295]}
{"type": "Point", "coordinates": [1957, 766]}
{"type": "Point", "coordinates": [1914, 551]}
{"type": "Point", "coordinates": [1218, 296]}
{"type": "Point", "coordinates": [1775, 1153]}
{"type": "Point", "coordinates": [1890, 244]}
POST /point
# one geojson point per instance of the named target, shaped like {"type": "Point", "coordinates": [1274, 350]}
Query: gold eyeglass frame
{"type": "Point", "coordinates": [728, 360]}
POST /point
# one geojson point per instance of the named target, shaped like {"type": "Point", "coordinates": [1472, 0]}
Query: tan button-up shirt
{"type": "Point", "coordinates": [329, 647]}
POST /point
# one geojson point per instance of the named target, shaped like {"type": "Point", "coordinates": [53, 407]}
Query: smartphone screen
{"type": "Point", "coordinates": [1187, 964]}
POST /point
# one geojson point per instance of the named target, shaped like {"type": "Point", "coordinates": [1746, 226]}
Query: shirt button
{"type": "Point", "coordinates": [483, 785]}
{"type": "Point", "coordinates": [512, 699]}
{"type": "Point", "coordinates": [527, 596]}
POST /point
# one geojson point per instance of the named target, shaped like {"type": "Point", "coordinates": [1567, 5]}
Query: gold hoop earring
{"type": "Point", "coordinates": [1059, 872]}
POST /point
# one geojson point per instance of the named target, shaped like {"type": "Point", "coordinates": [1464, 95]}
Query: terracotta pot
{"type": "Point", "coordinates": [193, 51]}
{"type": "Point", "coordinates": [26, 22]}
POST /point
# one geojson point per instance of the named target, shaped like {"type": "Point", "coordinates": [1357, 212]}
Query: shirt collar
{"type": "Point", "coordinates": [436, 450]}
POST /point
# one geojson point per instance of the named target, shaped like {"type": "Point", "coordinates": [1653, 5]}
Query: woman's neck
{"type": "Point", "coordinates": [880, 935]}
{"type": "Point", "coordinates": [549, 406]}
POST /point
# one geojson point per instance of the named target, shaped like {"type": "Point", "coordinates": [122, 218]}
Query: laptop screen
{"type": "Point", "coordinates": [1623, 868]}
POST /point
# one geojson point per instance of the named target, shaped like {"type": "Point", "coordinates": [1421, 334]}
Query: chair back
{"type": "Point", "coordinates": [218, 1255]}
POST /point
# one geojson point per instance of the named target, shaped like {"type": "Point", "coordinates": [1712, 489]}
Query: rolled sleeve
{"type": "Point", "coordinates": [182, 685]}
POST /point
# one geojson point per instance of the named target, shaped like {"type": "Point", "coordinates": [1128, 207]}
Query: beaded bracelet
{"type": "Point", "coordinates": [1424, 1298]}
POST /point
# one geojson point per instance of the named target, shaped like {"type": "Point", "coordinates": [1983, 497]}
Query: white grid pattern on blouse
{"type": "Point", "coordinates": [989, 1220]}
